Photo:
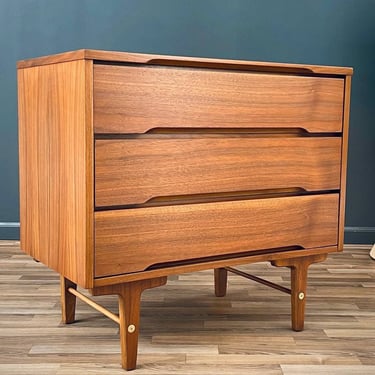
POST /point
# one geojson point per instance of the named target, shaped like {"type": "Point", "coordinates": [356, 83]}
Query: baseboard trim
{"type": "Point", "coordinates": [360, 229]}
{"type": "Point", "coordinates": [9, 230]}
{"type": "Point", "coordinates": [359, 235]}
{"type": "Point", "coordinates": [9, 224]}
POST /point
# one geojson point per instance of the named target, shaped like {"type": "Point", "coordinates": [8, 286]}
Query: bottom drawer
{"type": "Point", "coordinates": [132, 240]}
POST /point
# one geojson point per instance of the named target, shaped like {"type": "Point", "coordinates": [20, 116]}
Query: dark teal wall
{"type": "Point", "coordinates": [334, 32]}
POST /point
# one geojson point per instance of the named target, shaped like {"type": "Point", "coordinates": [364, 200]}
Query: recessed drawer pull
{"type": "Point", "coordinates": [217, 197]}
{"type": "Point", "coordinates": [188, 133]}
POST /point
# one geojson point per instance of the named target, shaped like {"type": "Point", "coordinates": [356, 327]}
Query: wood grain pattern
{"type": "Point", "coordinates": [344, 161]}
{"type": "Point", "coordinates": [138, 99]}
{"type": "Point", "coordinates": [56, 176]}
{"type": "Point", "coordinates": [134, 239]}
{"type": "Point", "coordinates": [130, 57]}
{"type": "Point", "coordinates": [136, 170]}
{"type": "Point", "coordinates": [185, 329]}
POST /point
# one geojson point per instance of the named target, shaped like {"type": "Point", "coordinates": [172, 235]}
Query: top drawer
{"type": "Point", "coordinates": [137, 99]}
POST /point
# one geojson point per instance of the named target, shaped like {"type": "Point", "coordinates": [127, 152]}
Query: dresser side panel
{"type": "Point", "coordinates": [54, 168]}
{"type": "Point", "coordinates": [344, 159]}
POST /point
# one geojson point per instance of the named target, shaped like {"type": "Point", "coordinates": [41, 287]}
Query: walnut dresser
{"type": "Point", "coordinates": [135, 167]}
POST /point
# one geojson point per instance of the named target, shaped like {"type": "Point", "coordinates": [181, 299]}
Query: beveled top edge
{"type": "Point", "coordinates": [129, 57]}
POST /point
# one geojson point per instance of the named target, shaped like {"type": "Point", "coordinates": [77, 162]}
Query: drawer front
{"type": "Point", "coordinates": [133, 239]}
{"type": "Point", "coordinates": [135, 171]}
{"type": "Point", "coordinates": [130, 99]}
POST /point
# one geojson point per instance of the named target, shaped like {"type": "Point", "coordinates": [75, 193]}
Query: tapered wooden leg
{"type": "Point", "coordinates": [129, 314]}
{"type": "Point", "coordinates": [68, 301]}
{"type": "Point", "coordinates": [221, 278]}
{"type": "Point", "coordinates": [299, 268]}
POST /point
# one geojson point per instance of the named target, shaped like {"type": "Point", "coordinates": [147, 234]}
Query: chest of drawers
{"type": "Point", "coordinates": [135, 167]}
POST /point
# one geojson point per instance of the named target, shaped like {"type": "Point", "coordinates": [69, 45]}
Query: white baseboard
{"type": "Point", "coordinates": [9, 224]}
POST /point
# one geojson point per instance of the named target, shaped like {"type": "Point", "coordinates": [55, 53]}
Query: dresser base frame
{"type": "Point", "coordinates": [129, 299]}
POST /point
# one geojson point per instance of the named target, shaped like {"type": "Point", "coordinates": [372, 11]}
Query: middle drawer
{"type": "Point", "coordinates": [135, 171]}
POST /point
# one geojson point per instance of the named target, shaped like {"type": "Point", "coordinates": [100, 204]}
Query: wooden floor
{"type": "Point", "coordinates": [186, 330]}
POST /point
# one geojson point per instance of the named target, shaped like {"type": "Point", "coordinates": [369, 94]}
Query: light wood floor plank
{"type": "Point", "coordinates": [327, 370]}
{"type": "Point", "coordinates": [186, 330]}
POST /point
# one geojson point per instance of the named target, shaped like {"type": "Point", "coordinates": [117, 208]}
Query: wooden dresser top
{"type": "Point", "coordinates": [138, 58]}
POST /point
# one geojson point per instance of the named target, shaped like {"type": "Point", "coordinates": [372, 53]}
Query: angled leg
{"type": "Point", "coordinates": [221, 278]}
{"type": "Point", "coordinates": [68, 300]}
{"type": "Point", "coordinates": [299, 268]}
{"type": "Point", "coordinates": [129, 314]}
